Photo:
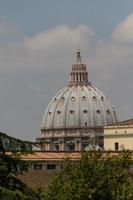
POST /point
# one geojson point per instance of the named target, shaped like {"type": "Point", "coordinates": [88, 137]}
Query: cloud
{"type": "Point", "coordinates": [28, 73]}
{"type": "Point", "coordinates": [123, 33]}
{"type": "Point", "coordinates": [111, 66]}
{"type": "Point", "coordinates": [46, 47]}
{"type": "Point", "coordinates": [112, 61]}
{"type": "Point", "coordinates": [59, 37]}
{"type": "Point", "coordinates": [115, 52]}
{"type": "Point", "coordinates": [32, 70]}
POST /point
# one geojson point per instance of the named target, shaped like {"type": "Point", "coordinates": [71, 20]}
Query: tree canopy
{"type": "Point", "coordinates": [95, 177]}
{"type": "Point", "coordinates": [11, 187]}
{"type": "Point", "coordinates": [11, 144]}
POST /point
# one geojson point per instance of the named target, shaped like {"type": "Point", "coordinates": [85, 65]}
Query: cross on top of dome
{"type": "Point", "coordinates": [79, 74]}
{"type": "Point", "coordinates": [79, 61]}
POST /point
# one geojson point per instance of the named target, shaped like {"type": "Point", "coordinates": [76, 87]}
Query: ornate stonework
{"type": "Point", "coordinates": [76, 113]}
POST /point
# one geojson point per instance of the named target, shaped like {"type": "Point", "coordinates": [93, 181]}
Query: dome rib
{"type": "Point", "coordinates": [76, 114]}
{"type": "Point", "coordinates": [87, 89]}
{"type": "Point", "coordinates": [65, 110]}
{"type": "Point", "coordinates": [59, 98]}
{"type": "Point", "coordinates": [79, 104]}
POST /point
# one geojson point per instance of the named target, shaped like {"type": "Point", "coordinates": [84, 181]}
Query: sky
{"type": "Point", "coordinates": [38, 40]}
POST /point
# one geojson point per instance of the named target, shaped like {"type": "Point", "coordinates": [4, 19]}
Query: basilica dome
{"type": "Point", "coordinates": [79, 104]}
{"type": "Point", "coordinates": [76, 112]}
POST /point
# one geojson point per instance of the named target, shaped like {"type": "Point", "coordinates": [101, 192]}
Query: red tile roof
{"type": "Point", "coordinates": [58, 156]}
{"type": "Point", "coordinates": [51, 156]}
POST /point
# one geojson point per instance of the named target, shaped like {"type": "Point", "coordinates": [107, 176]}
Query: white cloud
{"type": "Point", "coordinates": [115, 53]}
{"type": "Point", "coordinates": [46, 47]}
{"type": "Point", "coordinates": [59, 37]}
{"type": "Point", "coordinates": [29, 69]}
{"type": "Point", "coordinates": [124, 31]}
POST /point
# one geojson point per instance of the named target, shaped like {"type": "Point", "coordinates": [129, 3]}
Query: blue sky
{"type": "Point", "coordinates": [37, 43]}
{"type": "Point", "coordinates": [36, 15]}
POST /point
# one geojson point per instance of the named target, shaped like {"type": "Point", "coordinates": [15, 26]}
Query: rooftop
{"type": "Point", "coordinates": [59, 156]}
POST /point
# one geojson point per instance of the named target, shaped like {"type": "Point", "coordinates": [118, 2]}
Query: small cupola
{"type": "Point", "coordinates": [79, 74]}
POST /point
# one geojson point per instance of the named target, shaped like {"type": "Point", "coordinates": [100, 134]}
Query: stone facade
{"type": "Point", "coordinates": [70, 139]}
{"type": "Point", "coordinates": [75, 114]}
{"type": "Point", "coordinates": [119, 136]}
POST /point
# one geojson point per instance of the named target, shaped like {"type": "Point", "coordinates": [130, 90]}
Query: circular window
{"type": "Point", "coordinates": [71, 111]}
{"type": "Point", "coordinates": [98, 111]}
{"type": "Point", "coordinates": [72, 98]}
{"type": "Point", "coordinates": [108, 111]}
{"type": "Point", "coordinates": [85, 111]}
{"type": "Point", "coordinates": [102, 98]}
{"type": "Point", "coordinates": [58, 111]}
{"type": "Point", "coordinates": [84, 98]}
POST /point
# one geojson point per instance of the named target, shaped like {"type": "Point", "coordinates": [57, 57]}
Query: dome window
{"type": "Point", "coordinates": [55, 99]}
{"type": "Point", "coordinates": [71, 111]}
{"type": "Point", "coordinates": [72, 98]}
{"type": "Point", "coordinates": [85, 111]}
{"type": "Point", "coordinates": [63, 98]}
{"type": "Point", "coordinates": [108, 111]}
{"type": "Point", "coordinates": [102, 98]}
{"type": "Point", "coordinates": [94, 97]}
{"type": "Point", "coordinates": [84, 98]}
{"type": "Point", "coordinates": [98, 111]}
{"type": "Point", "coordinates": [49, 112]}
{"type": "Point", "coordinates": [58, 111]}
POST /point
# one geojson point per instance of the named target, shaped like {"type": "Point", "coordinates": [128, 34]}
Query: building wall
{"type": "Point", "coordinates": [38, 178]}
{"type": "Point", "coordinates": [70, 139]}
{"type": "Point", "coordinates": [118, 137]}
{"type": "Point", "coordinates": [41, 173]}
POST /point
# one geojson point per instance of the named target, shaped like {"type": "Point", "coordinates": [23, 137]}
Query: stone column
{"type": "Point", "coordinates": [78, 145]}
{"type": "Point", "coordinates": [62, 145]}
{"type": "Point", "coordinates": [78, 77]}
{"type": "Point", "coordinates": [82, 77]}
{"type": "Point", "coordinates": [48, 146]}
{"type": "Point", "coordinates": [31, 167]}
{"type": "Point", "coordinates": [44, 166]}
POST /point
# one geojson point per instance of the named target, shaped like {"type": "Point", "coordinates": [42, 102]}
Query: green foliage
{"type": "Point", "coordinates": [10, 166]}
{"type": "Point", "coordinates": [94, 178]}
{"type": "Point", "coordinates": [10, 186]}
{"type": "Point", "coordinates": [6, 194]}
{"type": "Point", "coordinates": [8, 143]}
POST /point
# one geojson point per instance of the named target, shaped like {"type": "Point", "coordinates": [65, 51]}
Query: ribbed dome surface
{"type": "Point", "coordinates": [78, 106]}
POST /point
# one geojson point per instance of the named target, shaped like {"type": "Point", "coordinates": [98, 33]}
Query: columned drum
{"type": "Point", "coordinates": [76, 114]}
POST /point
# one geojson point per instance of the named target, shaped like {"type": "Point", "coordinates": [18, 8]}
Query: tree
{"type": "Point", "coordinates": [11, 144]}
{"type": "Point", "coordinates": [11, 165]}
{"type": "Point", "coordinates": [95, 177]}
{"type": "Point", "coordinates": [10, 186]}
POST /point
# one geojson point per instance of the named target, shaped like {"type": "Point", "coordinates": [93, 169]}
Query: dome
{"type": "Point", "coordinates": [78, 106]}
{"type": "Point", "coordinates": [76, 113]}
